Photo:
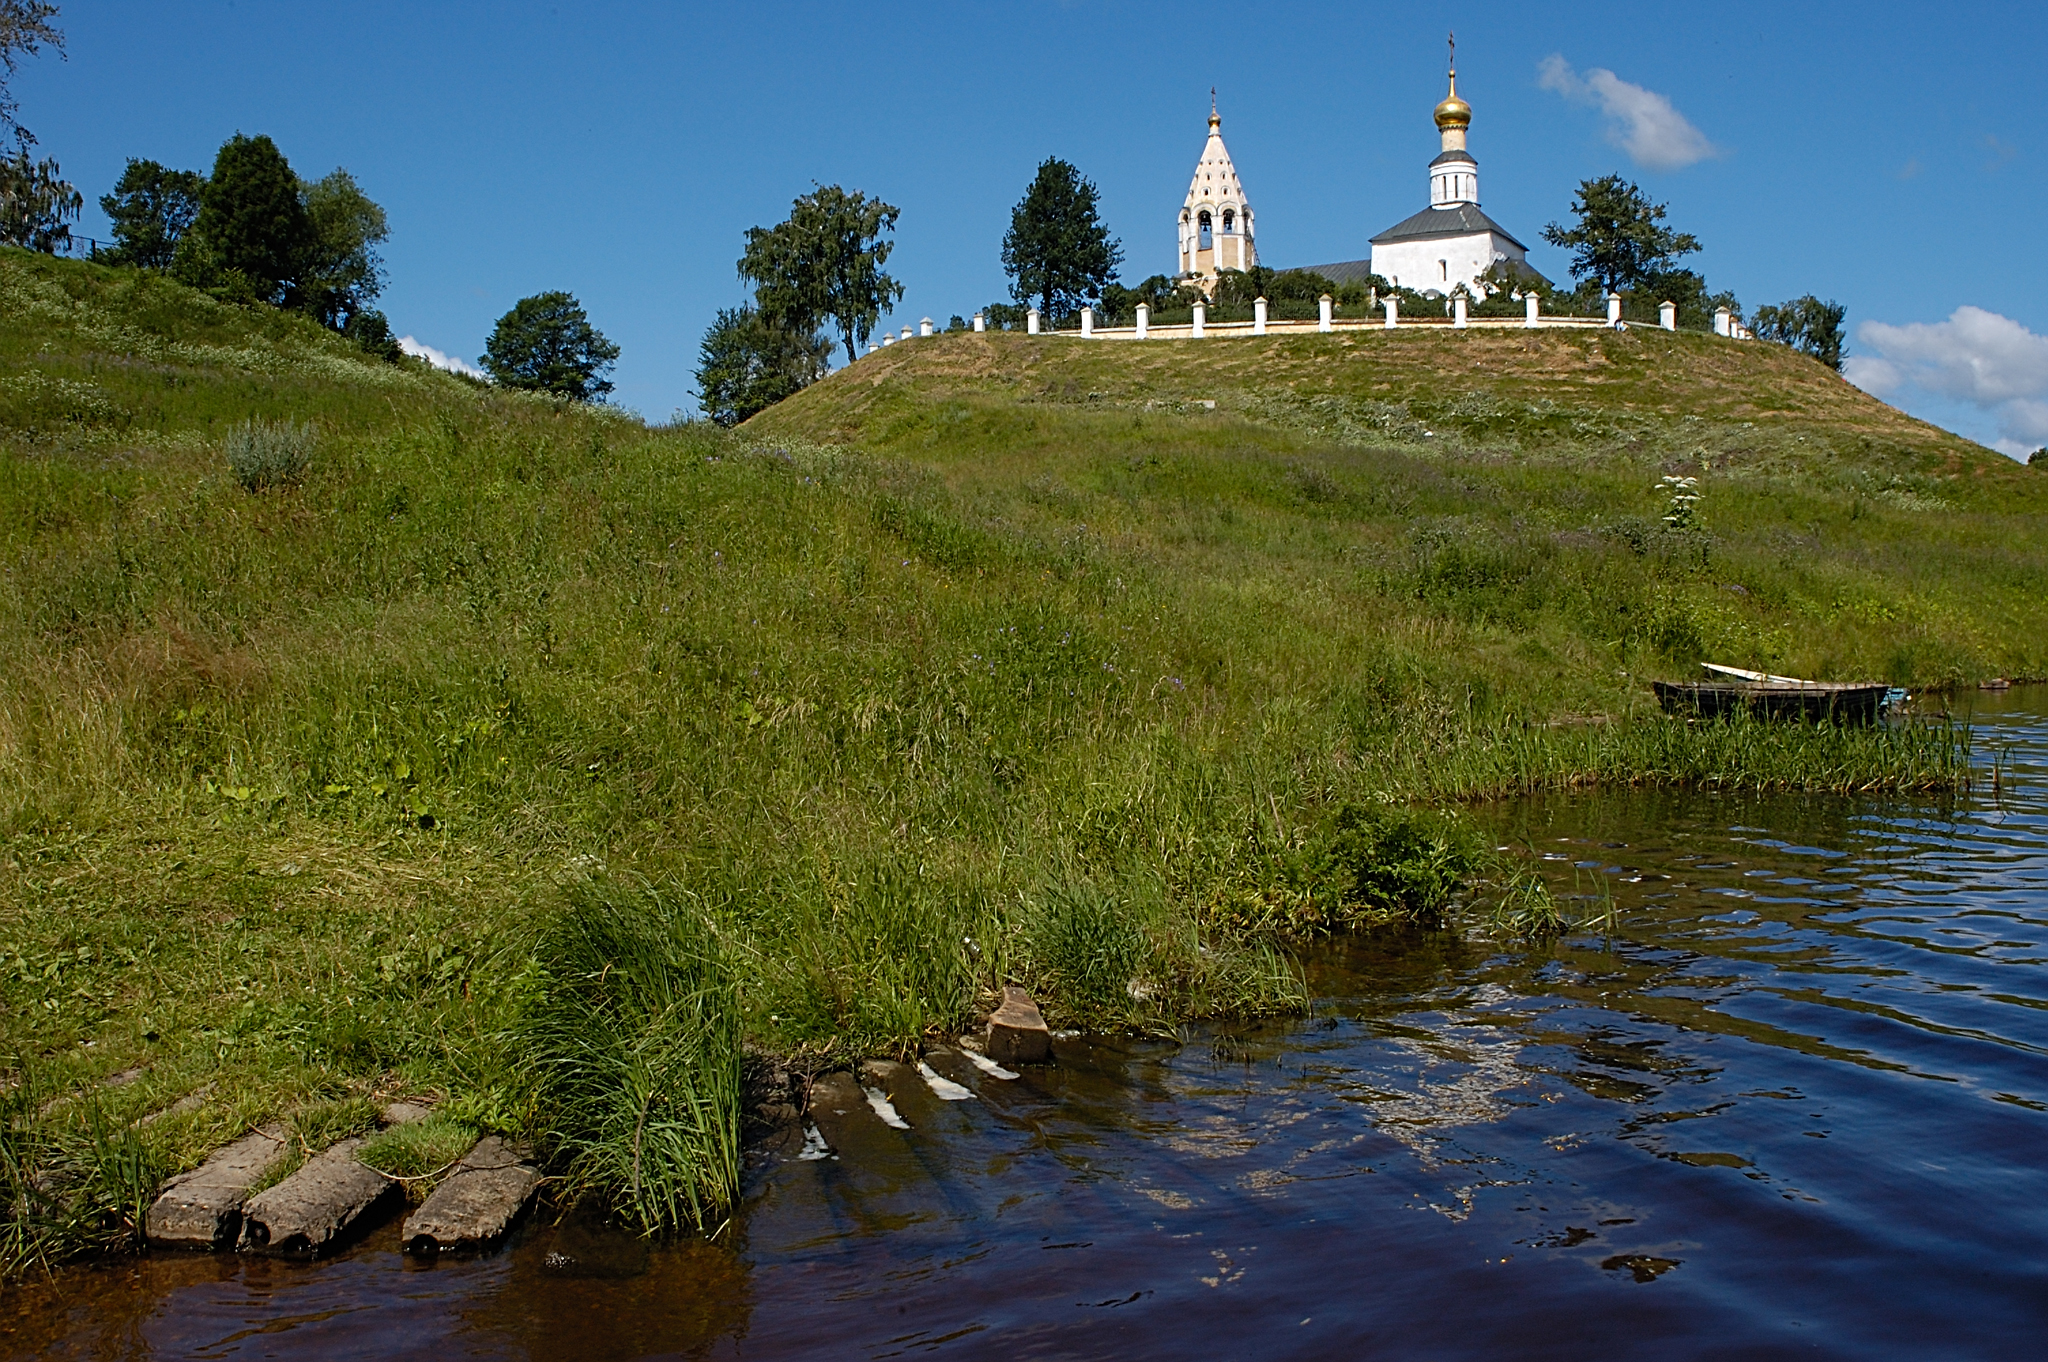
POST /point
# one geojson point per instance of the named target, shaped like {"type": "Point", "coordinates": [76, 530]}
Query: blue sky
{"type": "Point", "coordinates": [1889, 156]}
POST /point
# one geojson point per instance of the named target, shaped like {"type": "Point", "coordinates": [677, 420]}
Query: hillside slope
{"type": "Point", "coordinates": [982, 659]}
{"type": "Point", "coordinates": [1503, 481]}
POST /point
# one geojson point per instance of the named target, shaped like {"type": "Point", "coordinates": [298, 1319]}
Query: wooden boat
{"type": "Point", "coordinates": [1766, 696]}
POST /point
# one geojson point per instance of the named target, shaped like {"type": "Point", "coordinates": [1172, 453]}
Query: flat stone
{"type": "Point", "coordinates": [1016, 1033]}
{"type": "Point", "coordinates": [476, 1203]}
{"type": "Point", "coordinates": [310, 1211]}
{"type": "Point", "coordinates": [202, 1209]}
{"type": "Point", "coordinates": [836, 1104]}
{"type": "Point", "coordinates": [404, 1112]}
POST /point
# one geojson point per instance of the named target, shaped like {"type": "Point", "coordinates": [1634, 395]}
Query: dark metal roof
{"type": "Point", "coordinates": [1460, 219]}
{"type": "Point", "coordinates": [1444, 157]}
{"type": "Point", "coordinates": [1343, 272]}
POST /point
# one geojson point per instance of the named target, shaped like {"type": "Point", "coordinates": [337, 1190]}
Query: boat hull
{"type": "Point", "coordinates": [1814, 702]}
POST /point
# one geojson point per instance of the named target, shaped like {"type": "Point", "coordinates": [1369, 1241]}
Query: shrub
{"type": "Point", "coordinates": [1393, 859]}
{"type": "Point", "coordinates": [269, 453]}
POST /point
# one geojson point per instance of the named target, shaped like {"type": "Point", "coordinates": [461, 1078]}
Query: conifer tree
{"type": "Point", "coordinates": [1057, 251]}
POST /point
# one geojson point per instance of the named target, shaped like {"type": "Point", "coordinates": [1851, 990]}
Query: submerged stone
{"type": "Point", "coordinates": [203, 1208]}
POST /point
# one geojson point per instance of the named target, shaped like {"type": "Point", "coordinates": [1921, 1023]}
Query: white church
{"type": "Point", "coordinates": [1449, 243]}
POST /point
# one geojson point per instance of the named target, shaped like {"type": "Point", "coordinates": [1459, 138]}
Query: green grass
{"type": "Point", "coordinates": [989, 658]}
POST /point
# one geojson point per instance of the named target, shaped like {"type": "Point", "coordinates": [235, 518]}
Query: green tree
{"type": "Point", "coordinates": [746, 364]}
{"type": "Point", "coordinates": [339, 273]}
{"type": "Point", "coordinates": [25, 29]}
{"type": "Point", "coordinates": [824, 264]}
{"type": "Point", "coordinates": [1618, 241]}
{"type": "Point", "coordinates": [36, 203]}
{"type": "Point", "coordinates": [252, 220]}
{"type": "Point", "coordinates": [547, 344]}
{"type": "Point", "coordinates": [371, 329]}
{"type": "Point", "coordinates": [1806, 324]}
{"type": "Point", "coordinates": [1057, 250]}
{"type": "Point", "coordinates": [152, 208]}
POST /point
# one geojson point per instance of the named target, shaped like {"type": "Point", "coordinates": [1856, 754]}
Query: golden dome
{"type": "Point", "coordinates": [1453, 112]}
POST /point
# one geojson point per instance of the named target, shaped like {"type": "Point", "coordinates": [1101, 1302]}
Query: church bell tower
{"type": "Point", "coordinates": [1216, 229]}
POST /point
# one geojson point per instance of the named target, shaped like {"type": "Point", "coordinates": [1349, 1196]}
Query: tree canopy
{"type": "Point", "coordinates": [1806, 324]}
{"type": "Point", "coordinates": [747, 363]}
{"type": "Point", "coordinates": [151, 208]}
{"type": "Point", "coordinates": [252, 218]}
{"type": "Point", "coordinates": [1619, 241]}
{"type": "Point", "coordinates": [36, 203]}
{"type": "Point", "coordinates": [339, 269]}
{"type": "Point", "coordinates": [25, 29]}
{"type": "Point", "coordinates": [824, 264]}
{"type": "Point", "coordinates": [547, 344]}
{"type": "Point", "coordinates": [1057, 251]}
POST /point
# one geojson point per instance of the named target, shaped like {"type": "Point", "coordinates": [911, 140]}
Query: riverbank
{"type": "Point", "coordinates": [1784, 1089]}
{"type": "Point", "coordinates": [916, 685]}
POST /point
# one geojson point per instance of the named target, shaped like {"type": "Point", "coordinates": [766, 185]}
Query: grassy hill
{"type": "Point", "coordinates": [987, 657]}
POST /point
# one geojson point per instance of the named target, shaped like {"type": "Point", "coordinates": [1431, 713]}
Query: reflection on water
{"type": "Point", "coordinates": [1789, 1094]}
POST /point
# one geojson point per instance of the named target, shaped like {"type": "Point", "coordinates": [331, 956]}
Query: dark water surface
{"type": "Point", "coordinates": [1792, 1097]}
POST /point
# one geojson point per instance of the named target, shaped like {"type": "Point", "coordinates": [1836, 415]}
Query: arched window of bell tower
{"type": "Point", "coordinates": [1207, 241]}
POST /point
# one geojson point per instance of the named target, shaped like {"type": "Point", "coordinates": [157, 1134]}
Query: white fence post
{"type": "Point", "coordinates": [1458, 312]}
{"type": "Point", "coordinates": [1532, 310]}
{"type": "Point", "coordinates": [872, 347]}
{"type": "Point", "coordinates": [1323, 312]}
{"type": "Point", "coordinates": [1393, 307]}
{"type": "Point", "coordinates": [1201, 316]}
{"type": "Point", "coordinates": [924, 328]}
{"type": "Point", "coordinates": [1721, 316]}
{"type": "Point", "coordinates": [1087, 321]}
{"type": "Point", "coordinates": [1613, 308]}
{"type": "Point", "coordinates": [1667, 315]}
{"type": "Point", "coordinates": [1144, 319]}
{"type": "Point", "coordinates": [1258, 316]}
{"type": "Point", "coordinates": [888, 338]}
{"type": "Point", "coordinates": [980, 322]}
{"type": "Point", "coordinates": [1031, 322]}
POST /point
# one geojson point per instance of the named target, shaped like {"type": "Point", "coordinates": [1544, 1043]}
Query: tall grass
{"type": "Point", "coordinates": [65, 1191]}
{"type": "Point", "coordinates": [635, 1039]}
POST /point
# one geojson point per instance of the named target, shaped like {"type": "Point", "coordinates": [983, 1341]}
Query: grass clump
{"type": "Point", "coordinates": [1087, 949]}
{"type": "Point", "coordinates": [634, 1036]}
{"type": "Point", "coordinates": [265, 454]}
{"type": "Point", "coordinates": [68, 1190]}
{"type": "Point", "coordinates": [419, 1152]}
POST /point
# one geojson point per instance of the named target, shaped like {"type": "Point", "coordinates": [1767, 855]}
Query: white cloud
{"type": "Point", "coordinates": [1976, 358]}
{"type": "Point", "coordinates": [1641, 122]}
{"type": "Point", "coordinates": [437, 358]}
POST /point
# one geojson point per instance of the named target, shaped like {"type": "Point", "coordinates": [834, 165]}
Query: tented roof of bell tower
{"type": "Point", "coordinates": [1215, 182]}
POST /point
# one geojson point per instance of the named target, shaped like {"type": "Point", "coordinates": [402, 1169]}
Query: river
{"type": "Point", "coordinates": [1787, 1095]}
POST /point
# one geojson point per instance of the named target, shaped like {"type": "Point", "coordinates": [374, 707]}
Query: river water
{"type": "Point", "coordinates": [1788, 1095]}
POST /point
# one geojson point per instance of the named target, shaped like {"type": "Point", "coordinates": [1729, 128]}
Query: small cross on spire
{"type": "Point", "coordinates": [1454, 55]}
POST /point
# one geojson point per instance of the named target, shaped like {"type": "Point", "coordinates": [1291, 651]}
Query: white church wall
{"type": "Point", "coordinates": [1438, 264]}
